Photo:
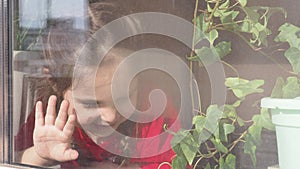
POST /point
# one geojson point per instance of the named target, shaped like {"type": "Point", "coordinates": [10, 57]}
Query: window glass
{"type": "Point", "coordinates": [107, 83]}
{"type": "Point", "coordinates": [75, 50]}
{"type": "Point", "coordinates": [32, 22]}
{"type": "Point", "coordinates": [33, 19]}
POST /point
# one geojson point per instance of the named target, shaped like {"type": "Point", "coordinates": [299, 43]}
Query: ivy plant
{"type": "Point", "coordinates": [219, 129]}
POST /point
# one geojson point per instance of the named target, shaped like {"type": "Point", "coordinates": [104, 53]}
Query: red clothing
{"type": "Point", "coordinates": [92, 151]}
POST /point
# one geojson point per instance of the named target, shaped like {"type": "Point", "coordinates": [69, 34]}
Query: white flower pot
{"type": "Point", "coordinates": [286, 118]}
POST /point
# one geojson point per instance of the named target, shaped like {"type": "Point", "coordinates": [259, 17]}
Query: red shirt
{"type": "Point", "coordinates": [92, 151]}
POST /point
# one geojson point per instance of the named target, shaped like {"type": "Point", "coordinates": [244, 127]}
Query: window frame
{"type": "Point", "coordinates": [6, 154]}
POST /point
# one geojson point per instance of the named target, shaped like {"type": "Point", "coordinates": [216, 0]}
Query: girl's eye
{"type": "Point", "coordinates": [90, 105]}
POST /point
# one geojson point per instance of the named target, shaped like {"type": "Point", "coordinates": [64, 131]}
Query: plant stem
{"type": "Point", "coordinates": [164, 163]}
{"type": "Point", "coordinates": [263, 53]}
{"type": "Point", "coordinates": [213, 10]}
{"type": "Point", "coordinates": [197, 162]}
{"type": "Point", "coordinates": [231, 67]}
{"type": "Point", "coordinates": [221, 25]}
{"type": "Point", "coordinates": [235, 4]}
{"type": "Point", "coordinates": [237, 141]}
{"type": "Point", "coordinates": [191, 62]}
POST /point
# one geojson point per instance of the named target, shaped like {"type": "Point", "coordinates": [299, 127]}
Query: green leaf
{"type": "Point", "coordinates": [289, 33]}
{"type": "Point", "coordinates": [225, 4]}
{"type": "Point", "coordinates": [177, 138]}
{"type": "Point", "coordinates": [184, 144]}
{"type": "Point", "coordinates": [179, 162]}
{"type": "Point", "coordinates": [219, 145]}
{"type": "Point", "coordinates": [212, 36]}
{"type": "Point", "coordinates": [202, 27]}
{"type": "Point", "coordinates": [263, 36]}
{"type": "Point", "coordinates": [223, 48]}
{"type": "Point", "coordinates": [265, 120]}
{"type": "Point", "coordinates": [201, 23]}
{"type": "Point", "coordinates": [177, 149]}
{"type": "Point", "coordinates": [228, 21]}
{"type": "Point", "coordinates": [293, 56]}
{"type": "Point", "coordinates": [260, 33]}
{"type": "Point", "coordinates": [240, 121]}
{"type": "Point", "coordinates": [255, 132]}
{"type": "Point", "coordinates": [229, 111]}
{"type": "Point", "coordinates": [291, 89]}
{"type": "Point", "coordinates": [219, 132]}
{"type": "Point", "coordinates": [202, 31]}
{"type": "Point", "coordinates": [228, 128]}
{"type": "Point", "coordinates": [237, 103]}
{"type": "Point", "coordinates": [207, 166]}
{"type": "Point", "coordinates": [277, 90]}
{"type": "Point", "coordinates": [224, 130]}
{"type": "Point", "coordinates": [246, 26]}
{"type": "Point", "coordinates": [199, 122]}
{"type": "Point", "coordinates": [207, 55]}
{"type": "Point", "coordinates": [222, 163]}
{"type": "Point", "coordinates": [243, 2]}
{"type": "Point", "coordinates": [288, 89]}
{"type": "Point", "coordinates": [189, 148]}
{"type": "Point", "coordinates": [250, 148]}
{"type": "Point", "coordinates": [241, 87]}
{"type": "Point", "coordinates": [222, 10]}
{"type": "Point", "coordinates": [209, 125]}
{"type": "Point", "coordinates": [230, 161]}
{"type": "Point", "coordinates": [256, 25]}
{"type": "Point", "coordinates": [213, 115]}
{"type": "Point", "coordinates": [252, 14]}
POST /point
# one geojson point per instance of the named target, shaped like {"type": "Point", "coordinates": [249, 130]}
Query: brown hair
{"type": "Point", "coordinates": [62, 47]}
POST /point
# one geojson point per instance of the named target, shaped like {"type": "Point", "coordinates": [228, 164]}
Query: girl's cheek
{"type": "Point", "coordinates": [108, 114]}
{"type": "Point", "coordinates": [87, 115]}
{"type": "Point", "coordinates": [68, 97]}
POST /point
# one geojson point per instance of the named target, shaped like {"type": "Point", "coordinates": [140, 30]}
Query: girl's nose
{"type": "Point", "coordinates": [100, 121]}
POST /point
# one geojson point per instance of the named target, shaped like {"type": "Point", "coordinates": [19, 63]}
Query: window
{"type": "Point", "coordinates": [48, 32]}
{"type": "Point", "coordinates": [63, 48]}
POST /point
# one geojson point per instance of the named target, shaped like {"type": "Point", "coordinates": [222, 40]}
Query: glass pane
{"type": "Point", "coordinates": [113, 67]}
{"type": "Point", "coordinates": [33, 20]}
{"type": "Point", "coordinates": [148, 84]}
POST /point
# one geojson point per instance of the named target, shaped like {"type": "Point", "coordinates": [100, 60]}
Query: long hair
{"type": "Point", "coordinates": [62, 47]}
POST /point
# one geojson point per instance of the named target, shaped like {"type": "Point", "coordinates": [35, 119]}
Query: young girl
{"type": "Point", "coordinates": [79, 125]}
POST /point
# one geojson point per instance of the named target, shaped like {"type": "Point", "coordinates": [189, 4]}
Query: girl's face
{"type": "Point", "coordinates": [95, 108]}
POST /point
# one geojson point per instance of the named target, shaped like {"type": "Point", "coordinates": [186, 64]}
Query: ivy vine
{"type": "Point", "coordinates": [219, 129]}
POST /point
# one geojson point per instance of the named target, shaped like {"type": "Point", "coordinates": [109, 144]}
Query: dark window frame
{"type": "Point", "coordinates": [6, 153]}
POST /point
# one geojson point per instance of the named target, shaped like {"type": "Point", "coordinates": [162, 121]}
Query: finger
{"type": "Point", "coordinates": [70, 125]}
{"type": "Point", "coordinates": [39, 115]}
{"type": "Point", "coordinates": [51, 111]}
{"type": "Point", "coordinates": [62, 115]}
{"type": "Point", "coordinates": [70, 154]}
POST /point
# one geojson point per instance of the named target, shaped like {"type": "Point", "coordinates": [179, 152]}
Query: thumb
{"type": "Point", "coordinates": [70, 154]}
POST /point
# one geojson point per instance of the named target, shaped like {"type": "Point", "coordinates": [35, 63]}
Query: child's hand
{"type": "Point", "coordinates": [53, 134]}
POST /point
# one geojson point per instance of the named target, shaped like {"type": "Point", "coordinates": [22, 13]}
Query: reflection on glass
{"type": "Point", "coordinates": [58, 11]}
{"type": "Point", "coordinates": [33, 14]}
{"type": "Point", "coordinates": [50, 35]}
{"type": "Point", "coordinates": [33, 20]}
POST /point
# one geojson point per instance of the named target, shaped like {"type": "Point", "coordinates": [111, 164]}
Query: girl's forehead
{"type": "Point", "coordinates": [103, 74]}
{"type": "Point", "coordinates": [99, 82]}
